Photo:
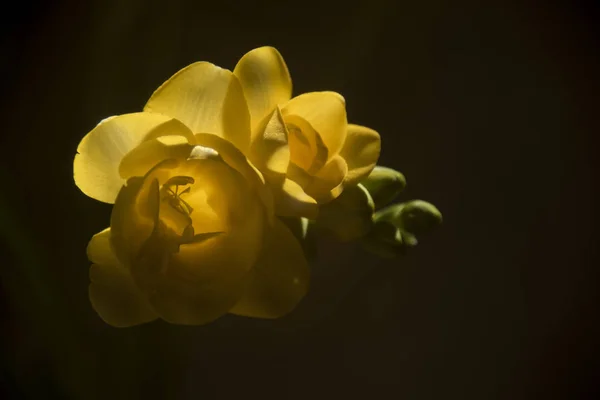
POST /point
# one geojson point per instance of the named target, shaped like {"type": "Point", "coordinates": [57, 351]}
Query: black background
{"type": "Point", "coordinates": [488, 108]}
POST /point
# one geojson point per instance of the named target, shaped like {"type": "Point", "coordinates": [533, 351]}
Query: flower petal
{"type": "Point", "coordinates": [150, 152]}
{"type": "Point", "coordinates": [135, 213]}
{"type": "Point", "coordinates": [266, 81]}
{"type": "Point", "coordinates": [299, 175]}
{"type": "Point", "coordinates": [172, 127]}
{"type": "Point", "coordinates": [279, 279]}
{"type": "Point", "coordinates": [270, 151]}
{"type": "Point", "coordinates": [96, 166]}
{"type": "Point", "coordinates": [361, 151]}
{"type": "Point", "coordinates": [99, 249]}
{"type": "Point", "coordinates": [179, 300]}
{"type": "Point", "coordinates": [207, 99]}
{"type": "Point", "coordinates": [328, 183]}
{"type": "Point", "coordinates": [325, 112]}
{"type": "Point", "coordinates": [307, 149]}
{"type": "Point", "coordinates": [113, 294]}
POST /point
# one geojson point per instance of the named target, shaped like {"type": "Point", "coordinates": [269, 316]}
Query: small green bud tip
{"type": "Point", "coordinates": [416, 216]}
{"type": "Point", "coordinates": [384, 184]}
{"type": "Point", "coordinates": [419, 217]}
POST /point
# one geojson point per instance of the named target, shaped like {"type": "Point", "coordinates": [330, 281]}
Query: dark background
{"type": "Point", "coordinates": [488, 107]}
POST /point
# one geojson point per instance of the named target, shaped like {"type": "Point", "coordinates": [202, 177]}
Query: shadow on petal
{"type": "Point", "coordinates": [113, 293]}
{"type": "Point", "coordinates": [279, 279]}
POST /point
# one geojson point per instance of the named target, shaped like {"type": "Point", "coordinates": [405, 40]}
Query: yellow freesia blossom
{"type": "Point", "coordinates": [193, 233]}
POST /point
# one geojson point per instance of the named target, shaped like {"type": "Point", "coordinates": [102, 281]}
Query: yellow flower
{"type": "Point", "coordinates": [193, 233]}
{"type": "Point", "coordinates": [303, 145]}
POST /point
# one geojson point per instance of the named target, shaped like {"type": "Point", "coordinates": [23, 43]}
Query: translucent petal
{"type": "Point", "coordinates": [96, 166]}
{"type": "Point", "coordinates": [113, 294]}
{"type": "Point", "coordinates": [207, 99]}
{"type": "Point", "coordinates": [361, 152]}
{"type": "Point", "coordinates": [279, 279]}
{"type": "Point", "coordinates": [150, 152]}
{"type": "Point", "coordinates": [265, 80]}
{"type": "Point", "coordinates": [99, 249]}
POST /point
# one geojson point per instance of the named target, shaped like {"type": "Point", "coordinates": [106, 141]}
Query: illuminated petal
{"type": "Point", "coordinates": [150, 152]}
{"type": "Point", "coordinates": [292, 201]}
{"type": "Point", "coordinates": [361, 151]}
{"type": "Point", "coordinates": [279, 279]}
{"type": "Point", "coordinates": [96, 166]}
{"type": "Point", "coordinates": [326, 113]}
{"type": "Point", "coordinates": [113, 294]}
{"type": "Point", "coordinates": [266, 81]}
{"type": "Point", "coordinates": [328, 183]}
{"type": "Point", "coordinates": [172, 127]}
{"type": "Point", "coordinates": [207, 99]}
{"type": "Point", "coordinates": [235, 159]}
{"type": "Point", "coordinates": [99, 249]}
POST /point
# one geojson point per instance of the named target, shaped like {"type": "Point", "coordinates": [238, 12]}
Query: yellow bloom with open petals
{"type": "Point", "coordinates": [193, 234]}
{"type": "Point", "coordinates": [304, 146]}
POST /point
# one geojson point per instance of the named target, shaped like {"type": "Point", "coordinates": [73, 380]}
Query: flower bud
{"type": "Point", "coordinates": [384, 184]}
{"type": "Point", "coordinates": [415, 216]}
{"type": "Point", "coordinates": [419, 217]}
{"type": "Point", "coordinates": [395, 227]}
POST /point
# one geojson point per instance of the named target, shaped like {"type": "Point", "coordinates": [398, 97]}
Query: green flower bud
{"type": "Point", "coordinates": [348, 217]}
{"type": "Point", "coordinates": [419, 217]}
{"type": "Point", "coordinates": [384, 184]}
{"type": "Point", "coordinates": [395, 227]}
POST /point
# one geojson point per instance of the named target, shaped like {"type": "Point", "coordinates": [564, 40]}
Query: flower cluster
{"type": "Point", "coordinates": [202, 180]}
